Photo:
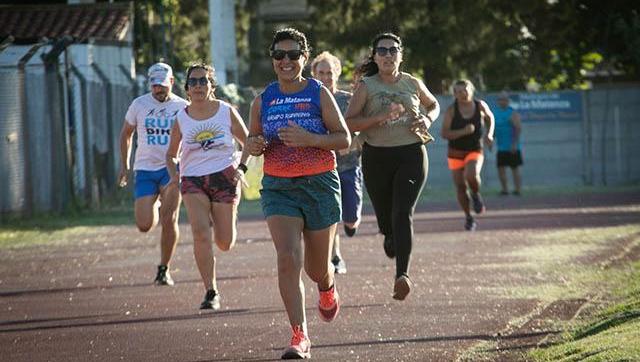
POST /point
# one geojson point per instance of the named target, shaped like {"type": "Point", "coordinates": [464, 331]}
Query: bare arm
{"type": "Point", "coordinates": [428, 101]}
{"type": "Point", "coordinates": [447, 133]}
{"type": "Point", "coordinates": [172, 152]}
{"type": "Point", "coordinates": [126, 134]}
{"type": "Point", "coordinates": [489, 122]}
{"type": "Point", "coordinates": [358, 122]}
{"type": "Point", "coordinates": [337, 138]}
{"type": "Point", "coordinates": [255, 144]}
{"type": "Point", "coordinates": [517, 129]}
{"type": "Point", "coordinates": [239, 130]}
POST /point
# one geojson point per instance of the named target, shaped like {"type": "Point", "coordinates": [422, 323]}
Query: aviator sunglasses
{"type": "Point", "coordinates": [382, 51]}
{"type": "Point", "coordinates": [278, 54]}
{"type": "Point", "coordinates": [192, 82]}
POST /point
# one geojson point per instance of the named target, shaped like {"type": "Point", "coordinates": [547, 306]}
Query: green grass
{"type": "Point", "coordinates": [610, 334]}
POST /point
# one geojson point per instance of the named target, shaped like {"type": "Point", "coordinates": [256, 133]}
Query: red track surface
{"type": "Point", "coordinates": [91, 298]}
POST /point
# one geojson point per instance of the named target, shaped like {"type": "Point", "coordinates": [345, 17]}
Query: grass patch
{"type": "Point", "coordinates": [552, 262]}
{"type": "Point", "coordinates": [611, 334]}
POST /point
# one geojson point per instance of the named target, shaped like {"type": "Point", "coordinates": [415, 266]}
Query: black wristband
{"type": "Point", "coordinates": [243, 167]}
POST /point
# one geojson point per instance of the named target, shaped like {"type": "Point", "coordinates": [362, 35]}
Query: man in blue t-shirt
{"type": "Point", "coordinates": [507, 133]}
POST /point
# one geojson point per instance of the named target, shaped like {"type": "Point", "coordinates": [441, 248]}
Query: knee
{"type": "Point", "coordinates": [225, 244]}
{"type": "Point", "coordinates": [169, 218]}
{"type": "Point", "coordinates": [318, 275]}
{"type": "Point", "coordinates": [144, 226]}
{"type": "Point", "coordinates": [289, 263]}
{"type": "Point", "coordinates": [200, 238]}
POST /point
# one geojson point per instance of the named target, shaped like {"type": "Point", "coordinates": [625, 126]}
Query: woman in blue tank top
{"type": "Point", "coordinates": [296, 124]}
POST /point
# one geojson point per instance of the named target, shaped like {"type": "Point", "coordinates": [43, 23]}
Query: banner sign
{"type": "Point", "coordinates": [565, 106]}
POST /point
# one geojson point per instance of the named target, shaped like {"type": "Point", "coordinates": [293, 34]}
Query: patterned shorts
{"type": "Point", "coordinates": [218, 186]}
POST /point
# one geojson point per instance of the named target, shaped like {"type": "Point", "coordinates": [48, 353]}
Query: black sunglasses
{"type": "Point", "coordinates": [382, 51]}
{"type": "Point", "coordinates": [278, 54]}
{"type": "Point", "coordinates": [192, 82]}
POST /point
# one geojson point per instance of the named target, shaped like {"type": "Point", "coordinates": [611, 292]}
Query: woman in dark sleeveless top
{"type": "Point", "coordinates": [463, 127]}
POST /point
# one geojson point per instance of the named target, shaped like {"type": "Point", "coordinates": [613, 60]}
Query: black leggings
{"type": "Point", "coordinates": [394, 177]}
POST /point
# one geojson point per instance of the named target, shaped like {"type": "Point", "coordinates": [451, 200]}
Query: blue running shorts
{"type": "Point", "coordinates": [150, 182]}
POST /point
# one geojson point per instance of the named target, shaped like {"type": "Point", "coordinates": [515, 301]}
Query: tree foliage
{"type": "Point", "coordinates": [499, 44]}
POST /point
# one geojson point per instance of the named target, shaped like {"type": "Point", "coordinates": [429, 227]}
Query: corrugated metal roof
{"type": "Point", "coordinates": [30, 23]}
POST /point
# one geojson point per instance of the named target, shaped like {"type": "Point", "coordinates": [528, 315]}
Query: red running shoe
{"type": "Point", "coordinates": [329, 304]}
{"type": "Point", "coordinates": [300, 346]}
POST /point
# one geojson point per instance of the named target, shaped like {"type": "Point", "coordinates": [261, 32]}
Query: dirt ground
{"type": "Point", "coordinates": [91, 298]}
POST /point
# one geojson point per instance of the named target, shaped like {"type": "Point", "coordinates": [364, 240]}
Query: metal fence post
{"type": "Point", "coordinates": [88, 151]}
{"type": "Point", "coordinates": [110, 172]}
{"type": "Point", "coordinates": [28, 187]}
{"type": "Point", "coordinates": [56, 105]}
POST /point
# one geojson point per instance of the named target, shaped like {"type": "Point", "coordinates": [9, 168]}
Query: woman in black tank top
{"type": "Point", "coordinates": [463, 127]}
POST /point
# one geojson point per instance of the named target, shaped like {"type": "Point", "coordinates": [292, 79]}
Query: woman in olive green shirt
{"type": "Point", "coordinates": [385, 108]}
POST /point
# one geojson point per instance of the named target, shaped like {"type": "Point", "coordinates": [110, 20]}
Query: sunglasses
{"type": "Point", "coordinates": [382, 51]}
{"type": "Point", "coordinates": [278, 54]}
{"type": "Point", "coordinates": [192, 82]}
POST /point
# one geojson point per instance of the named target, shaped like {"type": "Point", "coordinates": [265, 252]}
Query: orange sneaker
{"type": "Point", "coordinates": [300, 346]}
{"type": "Point", "coordinates": [329, 304]}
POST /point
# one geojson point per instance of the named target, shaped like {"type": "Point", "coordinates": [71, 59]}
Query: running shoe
{"type": "Point", "coordinates": [504, 193]}
{"type": "Point", "coordinates": [470, 223]}
{"type": "Point", "coordinates": [339, 265]}
{"type": "Point", "coordinates": [350, 232]}
{"type": "Point", "coordinates": [478, 204]}
{"type": "Point", "coordinates": [299, 347]}
{"type": "Point", "coordinates": [402, 287]}
{"type": "Point", "coordinates": [163, 277]}
{"type": "Point", "coordinates": [211, 300]}
{"type": "Point", "coordinates": [329, 304]}
{"type": "Point", "coordinates": [389, 247]}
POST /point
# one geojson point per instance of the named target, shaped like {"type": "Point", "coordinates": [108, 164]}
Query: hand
{"type": "Point", "coordinates": [174, 181]}
{"type": "Point", "coordinates": [489, 142]}
{"type": "Point", "coordinates": [514, 149]}
{"type": "Point", "coordinates": [469, 129]}
{"type": "Point", "coordinates": [421, 124]}
{"type": "Point", "coordinates": [122, 177]}
{"type": "Point", "coordinates": [256, 145]}
{"type": "Point", "coordinates": [238, 176]}
{"type": "Point", "coordinates": [394, 112]}
{"type": "Point", "coordinates": [296, 136]}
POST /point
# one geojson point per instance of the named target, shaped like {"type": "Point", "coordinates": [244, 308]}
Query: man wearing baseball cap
{"type": "Point", "coordinates": [152, 116]}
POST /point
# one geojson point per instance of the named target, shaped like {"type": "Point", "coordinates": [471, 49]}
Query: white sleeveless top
{"type": "Point", "coordinates": [207, 145]}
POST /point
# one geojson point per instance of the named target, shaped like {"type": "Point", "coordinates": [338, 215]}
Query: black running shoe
{"type": "Point", "coordinates": [350, 232]}
{"type": "Point", "coordinates": [211, 300]}
{"type": "Point", "coordinates": [389, 246]}
{"type": "Point", "coordinates": [478, 204]}
{"type": "Point", "coordinates": [470, 224]}
{"type": "Point", "coordinates": [339, 265]}
{"type": "Point", "coordinates": [163, 277]}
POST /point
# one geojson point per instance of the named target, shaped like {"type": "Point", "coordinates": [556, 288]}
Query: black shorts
{"type": "Point", "coordinates": [509, 159]}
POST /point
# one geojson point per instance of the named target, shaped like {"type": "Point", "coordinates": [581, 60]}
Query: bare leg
{"type": "Point", "coordinates": [146, 212]}
{"type": "Point", "coordinates": [286, 232]}
{"type": "Point", "coordinates": [502, 175]}
{"type": "Point", "coordinates": [317, 256]}
{"type": "Point", "coordinates": [461, 190]}
{"type": "Point", "coordinates": [224, 224]}
{"type": "Point", "coordinates": [198, 209]}
{"type": "Point", "coordinates": [169, 212]}
{"type": "Point", "coordinates": [472, 174]}
{"type": "Point", "coordinates": [517, 181]}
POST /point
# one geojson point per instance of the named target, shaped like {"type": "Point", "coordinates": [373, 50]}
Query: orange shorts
{"type": "Point", "coordinates": [458, 163]}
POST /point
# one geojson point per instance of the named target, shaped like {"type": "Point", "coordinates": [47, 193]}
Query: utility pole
{"type": "Point", "coordinates": [222, 18]}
